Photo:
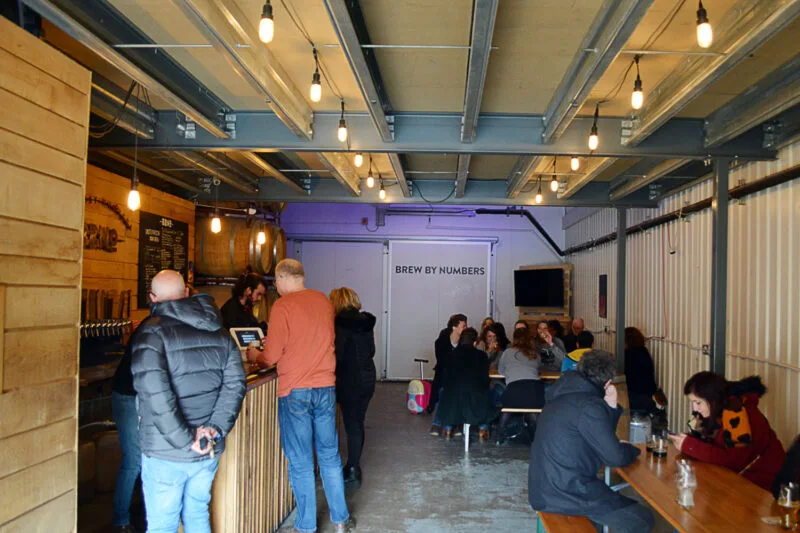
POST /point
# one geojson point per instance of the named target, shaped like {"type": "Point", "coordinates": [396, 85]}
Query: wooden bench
{"type": "Point", "coordinates": [558, 523]}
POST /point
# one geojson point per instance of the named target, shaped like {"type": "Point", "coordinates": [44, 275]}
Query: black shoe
{"type": "Point", "coordinates": [352, 476]}
{"type": "Point", "coordinates": [345, 527]}
{"type": "Point", "coordinates": [436, 430]}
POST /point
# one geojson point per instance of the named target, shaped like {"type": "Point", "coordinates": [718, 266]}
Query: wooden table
{"type": "Point", "coordinates": [548, 375]}
{"type": "Point", "coordinates": [724, 501]}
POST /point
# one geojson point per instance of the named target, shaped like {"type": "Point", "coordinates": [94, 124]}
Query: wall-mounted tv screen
{"type": "Point", "coordinates": [539, 288]}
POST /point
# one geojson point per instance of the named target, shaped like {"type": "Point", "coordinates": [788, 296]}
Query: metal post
{"type": "Point", "coordinates": [719, 265]}
{"type": "Point", "coordinates": [622, 252]}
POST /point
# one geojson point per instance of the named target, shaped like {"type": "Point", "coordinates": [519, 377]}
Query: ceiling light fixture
{"type": "Point", "coordinates": [594, 140]}
{"type": "Point", "coordinates": [342, 131]}
{"type": "Point", "coordinates": [705, 35]}
{"type": "Point", "coordinates": [370, 179]}
{"type": "Point", "coordinates": [554, 181]}
{"type": "Point", "coordinates": [539, 196]}
{"type": "Point", "coordinates": [574, 163]}
{"type": "Point", "coordinates": [266, 28]}
{"type": "Point", "coordinates": [216, 224]}
{"type": "Point", "coordinates": [134, 201]}
{"type": "Point", "coordinates": [261, 238]}
{"type": "Point", "coordinates": [637, 97]}
{"type": "Point", "coordinates": [359, 160]}
{"type": "Point", "coordinates": [382, 192]}
{"type": "Point", "coordinates": [316, 81]}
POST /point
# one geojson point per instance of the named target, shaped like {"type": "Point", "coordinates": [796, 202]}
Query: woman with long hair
{"type": "Point", "coordinates": [493, 341]}
{"type": "Point", "coordinates": [550, 350]}
{"type": "Point", "coordinates": [355, 373]}
{"type": "Point", "coordinates": [524, 389]}
{"type": "Point", "coordinates": [640, 373]}
{"type": "Point", "coordinates": [729, 430]}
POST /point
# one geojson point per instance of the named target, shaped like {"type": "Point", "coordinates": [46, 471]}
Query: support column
{"type": "Point", "coordinates": [622, 254]}
{"type": "Point", "coordinates": [719, 265]}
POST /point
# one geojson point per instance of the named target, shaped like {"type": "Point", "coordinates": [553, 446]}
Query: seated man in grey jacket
{"type": "Point", "coordinates": [575, 437]}
{"type": "Point", "coordinates": [190, 382]}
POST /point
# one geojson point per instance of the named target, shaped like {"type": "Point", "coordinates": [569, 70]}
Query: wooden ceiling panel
{"type": "Point", "coordinates": [536, 43]}
{"type": "Point", "coordinates": [421, 80]}
{"type": "Point", "coordinates": [417, 164]}
{"type": "Point", "coordinates": [491, 167]}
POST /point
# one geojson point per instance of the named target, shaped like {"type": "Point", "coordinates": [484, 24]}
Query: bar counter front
{"type": "Point", "coordinates": [251, 492]}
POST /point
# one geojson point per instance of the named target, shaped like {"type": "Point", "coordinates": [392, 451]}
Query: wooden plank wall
{"type": "Point", "coordinates": [43, 139]}
{"type": "Point", "coordinates": [119, 270]}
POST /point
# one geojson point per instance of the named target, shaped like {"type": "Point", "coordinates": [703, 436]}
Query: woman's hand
{"type": "Point", "coordinates": [677, 441]}
{"type": "Point", "coordinates": [548, 338]}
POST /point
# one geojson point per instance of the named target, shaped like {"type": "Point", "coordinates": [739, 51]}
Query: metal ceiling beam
{"type": "Point", "coordinates": [239, 170]}
{"type": "Point", "coordinates": [377, 104]}
{"type": "Point", "coordinates": [343, 170]}
{"type": "Point", "coordinates": [769, 97]}
{"type": "Point", "coordinates": [74, 29]}
{"type": "Point", "coordinates": [224, 24]}
{"type": "Point", "coordinates": [107, 108]}
{"type": "Point", "coordinates": [503, 134]}
{"type": "Point", "coordinates": [743, 28]}
{"type": "Point", "coordinates": [609, 32]}
{"type": "Point", "coordinates": [462, 174]}
{"type": "Point", "coordinates": [656, 173]}
{"type": "Point", "coordinates": [202, 164]}
{"type": "Point", "coordinates": [126, 159]}
{"type": "Point", "coordinates": [484, 13]}
{"type": "Point", "coordinates": [521, 173]}
{"type": "Point", "coordinates": [575, 185]}
{"type": "Point", "coordinates": [399, 169]}
{"type": "Point", "coordinates": [272, 171]}
{"type": "Point", "coordinates": [480, 192]}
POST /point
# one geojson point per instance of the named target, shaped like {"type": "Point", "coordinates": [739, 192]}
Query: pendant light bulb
{"type": "Point", "coordinates": [382, 192]}
{"type": "Point", "coordinates": [341, 133]}
{"type": "Point", "coordinates": [539, 198]}
{"type": "Point", "coordinates": [216, 223]}
{"type": "Point", "coordinates": [554, 184]}
{"type": "Point", "coordinates": [261, 238]}
{"type": "Point", "coordinates": [134, 201]}
{"type": "Point", "coordinates": [705, 35]}
{"type": "Point", "coordinates": [266, 28]}
{"type": "Point", "coordinates": [594, 140]}
{"type": "Point", "coordinates": [574, 163]}
{"type": "Point", "coordinates": [370, 180]}
{"type": "Point", "coordinates": [316, 87]}
{"type": "Point", "coordinates": [359, 160]}
{"type": "Point", "coordinates": [637, 97]}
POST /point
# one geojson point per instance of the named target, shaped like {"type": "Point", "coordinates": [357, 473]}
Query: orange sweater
{"type": "Point", "coordinates": [300, 340]}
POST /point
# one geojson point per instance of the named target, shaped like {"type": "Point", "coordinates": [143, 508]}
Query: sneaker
{"type": "Point", "coordinates": [345, 527]}
{"type": "Point", "coordinates": [483, 434]}
{"type": "Point", "coordinates": [436, 430]}
{"type": "Point", "coordinates": [447, 434]}
{"type": "Point", "coordinates": [458, 432]}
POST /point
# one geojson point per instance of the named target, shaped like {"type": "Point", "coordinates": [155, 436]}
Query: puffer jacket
{"type": "Point", "coordinates": [575, 437]}
{"type": "Point", "coordinates": [355, 351]}
{"type": "Point", "coordinates": [187, 373]}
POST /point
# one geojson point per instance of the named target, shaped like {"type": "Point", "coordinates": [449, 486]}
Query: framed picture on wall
{"type": "Point", "coordinates": [602, 304]}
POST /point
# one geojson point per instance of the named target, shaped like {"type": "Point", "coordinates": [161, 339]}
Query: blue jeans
{"type": "Point", "coordinates": [177, 492]}
{"type": "Point", "coordinates": [307, 419]}
{"type": "Point", "coordinates": [437, 421]}
{"type": "Point", "coordinates": [123, 408]}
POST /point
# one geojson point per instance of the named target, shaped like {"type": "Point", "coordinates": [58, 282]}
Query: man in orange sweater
{"type": "Point", "coordinates": [301, 342]}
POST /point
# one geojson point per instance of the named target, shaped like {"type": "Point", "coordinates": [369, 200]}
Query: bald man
{"type": "Point", "coordinates": [190, 383]}
{"type": "Point", "coordinates": [300, 342]}
{"type": "Point", "coordinates": [571, 339]}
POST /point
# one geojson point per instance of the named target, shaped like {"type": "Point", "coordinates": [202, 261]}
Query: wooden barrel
{"type": "Point", "coordinates": [278, 246]}
{"type": "Point", "coordinates": [624, 424]}
{"type": "Point", "coordinates": [229, 252]}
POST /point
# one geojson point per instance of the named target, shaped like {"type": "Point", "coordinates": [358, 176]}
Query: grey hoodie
{"type": "Point", "coordinates": [187, 372]}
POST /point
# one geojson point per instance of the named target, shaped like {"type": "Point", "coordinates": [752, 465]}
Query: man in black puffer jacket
{"type": "Point", "coordinates": [190, 383]}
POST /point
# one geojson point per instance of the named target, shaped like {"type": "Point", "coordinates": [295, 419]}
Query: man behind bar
{"type": "Point", "coordinates": [190, 382]}
{"type": "Point", "coordinates": [300, 341]}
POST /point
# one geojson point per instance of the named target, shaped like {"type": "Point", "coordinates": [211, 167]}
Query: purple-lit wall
{"type": "Point", "coordinates": [519, 243]}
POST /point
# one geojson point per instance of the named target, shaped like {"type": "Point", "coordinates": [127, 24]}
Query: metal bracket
{"type": "Point", "coordinates": [230, 124]}
{"type": "Point", "coordinates": [773, 133]}
{"type": "Point", "coordinates": [390, 122]}
{"type": "Point", "coordinates": [186, 127]}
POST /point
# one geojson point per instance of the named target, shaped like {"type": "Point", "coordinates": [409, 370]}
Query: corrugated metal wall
{"type": "Point", "coordinates": [668, 293]}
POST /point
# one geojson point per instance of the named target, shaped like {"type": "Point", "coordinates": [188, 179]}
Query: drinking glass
{"type": "Point", "coordinates": [686, 480]}
{"type": "Point", "coordinates": [789, 500]}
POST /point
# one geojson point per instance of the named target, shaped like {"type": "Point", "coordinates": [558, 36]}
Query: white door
{"type": "Point", "coordinates": [330, 265]}
{"type": "Point", "coordinates": [428, 282]}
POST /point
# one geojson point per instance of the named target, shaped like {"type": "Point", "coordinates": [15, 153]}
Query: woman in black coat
{"type": "Point", "coordinates": [355, 373]}
{"type": "Point", "coordinates": [640, 373]}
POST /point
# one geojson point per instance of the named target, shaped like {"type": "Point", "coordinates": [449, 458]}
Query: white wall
{"type": "Point", "coordinates": [668, 294]}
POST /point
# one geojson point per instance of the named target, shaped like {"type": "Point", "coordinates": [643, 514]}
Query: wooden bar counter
{"type": "Point", "coordinates": [251, 492]}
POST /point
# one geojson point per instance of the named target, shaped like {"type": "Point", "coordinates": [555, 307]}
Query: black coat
{"type": "Point", "coordinates": [187, 372]}
{"type": "Point", "coordinates": [466, 397]}
{"type": "Point", "coordinates": [355, 352]}
{"type": "Point", "coordinates": [575, 437]}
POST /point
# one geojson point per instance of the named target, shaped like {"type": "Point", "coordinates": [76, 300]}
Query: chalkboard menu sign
{"type": "Point", "coordinates": [163, 243]}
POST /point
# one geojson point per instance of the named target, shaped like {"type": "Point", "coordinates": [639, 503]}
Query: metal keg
{"type": "Point", "coordinates": [641, 428]}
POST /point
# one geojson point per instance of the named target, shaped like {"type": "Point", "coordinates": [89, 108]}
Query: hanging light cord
{"type": "Point", "coordinates": [431, 202]}
{"type": "Point", "coordinates": [319, 61]}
